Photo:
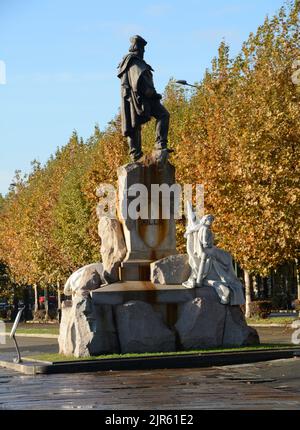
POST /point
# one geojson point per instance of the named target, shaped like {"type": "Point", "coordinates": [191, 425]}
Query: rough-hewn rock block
{"type": "Point", "coordinates": [141, 329]}
{"type": "Point", "coordinates": [87, 330]}
{"type": "Point", "coordinates": [201, 321]}
{"type": "Point", "coordinates": [84, 280]}
{"type": "Point", "coordinates": [206, 323]}
{"type": "Point", "coordinates": [237, 332]}
{"type": "Point", "coordinates": [66, 338]}
{"type": "Point", "coordinates": [113, 248]}
{"type": "Point", "coordinates": [171, 270]}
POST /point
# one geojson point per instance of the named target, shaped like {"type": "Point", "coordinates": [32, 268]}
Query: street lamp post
{"type": "Point", "coordinates": [183, 82]}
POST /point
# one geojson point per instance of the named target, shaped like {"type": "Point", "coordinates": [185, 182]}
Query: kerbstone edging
{"type": "Point", "coordinates": [155, 362]}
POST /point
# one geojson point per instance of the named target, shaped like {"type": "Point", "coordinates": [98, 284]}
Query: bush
{"type": "Point", "coordinates": [3, 314]}
{"type": "Point", "coordinates": [281, 301]}
{"type": "Point", "coordinates": [260, 308]}
{"type": "Point", "coordinates": [40, 315]}
{"type": "Point", "coordinates": [296, 305]}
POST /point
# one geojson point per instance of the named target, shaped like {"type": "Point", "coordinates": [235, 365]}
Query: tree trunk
{"type": "Point", "coordinates": [26, 299]}
{"type": "Point", "coordinates": [247, 292]}
{"type": "Point", "coordinates": [260, 287]}
{"type": "Point", "coordinates": [58, 302]}
{"type": "Point", "coordinates": [265, 288]}
{"type": "Point", "coordinates": [269, 286]}
{"type": "Point", "coordinates": [46, 302]}
{"type": "Point", "coordinates": [58, 296]}
{"type": "Point", "coordinates": [298, 278]}
{"type": "Point", "coordinates": [255, 287]}
{"type": "Point", "coordinates": [36, 298]}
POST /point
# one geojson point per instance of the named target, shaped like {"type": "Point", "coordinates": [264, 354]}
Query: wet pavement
{"type": "Point", "coordinates": [268, 385]}
{"type": "Point", "coordinates": [275, 334]}
{"type": "Point", "coordinates": [28, 347]}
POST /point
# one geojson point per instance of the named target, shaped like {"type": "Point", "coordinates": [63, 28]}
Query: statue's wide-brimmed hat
{"type": "Point", "coordinates": [137, 42]}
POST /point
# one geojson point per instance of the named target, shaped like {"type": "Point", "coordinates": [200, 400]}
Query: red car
{"type": "Point", "coordinates": [51, 301]}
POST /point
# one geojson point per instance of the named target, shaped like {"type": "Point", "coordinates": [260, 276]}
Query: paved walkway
{"type": "Point", "coordinates": [271, 385]}
{"type": "Point", "coordinates": [275, 334]}
{"type": "Point", "coordinates": [28, 346]}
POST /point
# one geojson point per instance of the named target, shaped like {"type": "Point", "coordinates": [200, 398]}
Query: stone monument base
{"type": "Point", "coordinates": [145, 317]}
{"type": "Point", "coordinates": [135, 270]}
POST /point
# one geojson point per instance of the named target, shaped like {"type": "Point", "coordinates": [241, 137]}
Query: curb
{"type": "Point", "coordinates": [21, 368]}
{"type": "Point", "coordinates": [152, 363]}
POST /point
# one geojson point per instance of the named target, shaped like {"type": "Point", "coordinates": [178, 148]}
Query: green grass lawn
{"type": "Point", "coordinates": [272, 320]}
{"type": "Point", "coordinates": [55, 329]}
{"type": "Point", "coordinates": [37, 330]}
{"type": "Point", "coordinates": [262, 347]}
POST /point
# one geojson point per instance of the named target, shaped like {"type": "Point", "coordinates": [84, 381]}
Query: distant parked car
{"type": "Point", "coordinates": [52, 301]}
{"type": "Point", "coordinates": [4, 305]}
{"type": "Point", "coordinates": [4, 308]}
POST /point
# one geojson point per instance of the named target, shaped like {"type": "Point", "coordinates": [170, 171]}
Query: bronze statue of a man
{"type": "Point", "coordinates": [140, 101]}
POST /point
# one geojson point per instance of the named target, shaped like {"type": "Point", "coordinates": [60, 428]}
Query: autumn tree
{"type": "Point", "coordinates": [237, 134]}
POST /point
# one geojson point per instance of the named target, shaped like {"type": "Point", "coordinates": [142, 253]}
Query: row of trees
{"type": "Point", "coordinates": [238, 134]}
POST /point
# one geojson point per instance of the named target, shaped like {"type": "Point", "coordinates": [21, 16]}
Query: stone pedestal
{"type": "Point", "coordinates": [149, 317]}
{"type": "Point", "coordinates": [135, 270]}
{"type": "Point", "coordinates": [139, 316]}
{"type": "Point", "coordinates": [151, 236]}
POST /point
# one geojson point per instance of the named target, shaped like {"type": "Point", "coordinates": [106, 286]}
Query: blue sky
{"type": "Point", "coordinates": [61, 58]}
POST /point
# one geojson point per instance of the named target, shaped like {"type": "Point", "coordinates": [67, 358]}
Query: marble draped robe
{"type": "Point", "coordinates": [218, 269]}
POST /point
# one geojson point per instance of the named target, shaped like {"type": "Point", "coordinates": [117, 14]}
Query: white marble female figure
{"type": "Point", "coordinates": [210, 266]}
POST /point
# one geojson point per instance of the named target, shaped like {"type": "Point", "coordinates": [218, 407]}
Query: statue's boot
{"type": "Point", "coordinates": [162, 155]}
{"type": "Point", "coordinates": [137, 157]}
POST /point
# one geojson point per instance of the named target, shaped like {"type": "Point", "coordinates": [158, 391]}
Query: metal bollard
{"type": "Point", "coordinates": [12, 335]}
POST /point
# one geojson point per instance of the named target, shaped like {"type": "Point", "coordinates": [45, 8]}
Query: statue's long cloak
{"type": "Point", "coordinates": [134, 73]}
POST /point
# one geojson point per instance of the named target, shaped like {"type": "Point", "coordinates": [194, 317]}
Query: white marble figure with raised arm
{"type": "Point", "coordinates": [210, 265]}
